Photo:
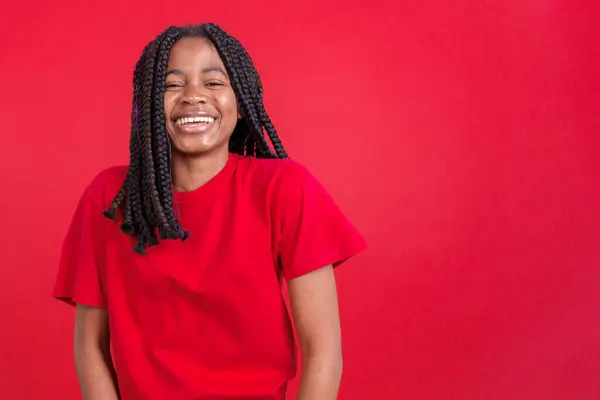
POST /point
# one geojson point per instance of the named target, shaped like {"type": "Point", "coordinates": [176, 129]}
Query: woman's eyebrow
{"type": "Point", "coordinates": [204, 71]}
{"type": "Point", "coordinates": [211, 69]}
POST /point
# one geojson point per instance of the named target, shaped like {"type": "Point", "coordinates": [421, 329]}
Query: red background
{"type": "Point", "coordinates": [460, 136]}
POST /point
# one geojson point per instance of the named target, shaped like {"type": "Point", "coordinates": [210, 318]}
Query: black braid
{"type": "Point", "coordinates": [144, 217]}
{"type": "Point", "coordinates": [162, 159]}
{"type": "Point", "coordinates": [146, 197]}
{"type": "Point", "coordinates": [147, 133]}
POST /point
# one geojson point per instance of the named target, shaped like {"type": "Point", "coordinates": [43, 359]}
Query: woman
{"type": "Point", "coordinates": [184, 277]}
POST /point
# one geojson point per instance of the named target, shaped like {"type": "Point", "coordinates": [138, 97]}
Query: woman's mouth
{"type": "Point", "coordinates": [194, 124]}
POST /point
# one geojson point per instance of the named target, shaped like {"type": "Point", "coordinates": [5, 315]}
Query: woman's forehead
{"type": "Point", "coordinates": [193, 52]}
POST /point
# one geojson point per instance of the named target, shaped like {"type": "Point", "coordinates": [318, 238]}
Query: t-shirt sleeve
{"type": "Point", "coordinates": [312, 231]}
{"type": "Point", "coordinates": [78, 278]}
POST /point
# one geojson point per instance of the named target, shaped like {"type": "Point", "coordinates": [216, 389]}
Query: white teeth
{"type": "Point", "coordinates": [191, 120]}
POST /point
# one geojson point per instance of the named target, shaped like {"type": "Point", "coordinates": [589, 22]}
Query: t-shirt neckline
{"type": "Point", "coordinates": [213, 185]}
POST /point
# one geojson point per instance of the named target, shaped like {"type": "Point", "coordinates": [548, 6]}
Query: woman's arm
{"type": "Point", "coordinates": [314, 305]}
{"type": "Point", "coordinates": [93, 362]}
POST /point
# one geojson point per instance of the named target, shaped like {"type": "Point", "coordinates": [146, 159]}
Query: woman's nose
{"type": "Point", "coordinates": [194, 95]}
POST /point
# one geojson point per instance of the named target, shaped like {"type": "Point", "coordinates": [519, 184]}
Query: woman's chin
{"type": "Point", "coordinates": [187, 148]}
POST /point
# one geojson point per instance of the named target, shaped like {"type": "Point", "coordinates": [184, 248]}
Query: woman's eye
{"type": "Point", "coordinates": [214, 84]}
{"type": "Point", "coordinates": [172, 85]}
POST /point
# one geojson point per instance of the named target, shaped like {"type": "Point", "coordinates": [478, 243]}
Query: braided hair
{"type": "Point", "coordinates": [146, 198]}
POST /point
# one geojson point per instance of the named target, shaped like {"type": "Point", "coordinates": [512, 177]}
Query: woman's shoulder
{"type": "Point", "coordinates": [274, 168]}
{"type": "Point", "coordinates": [105, 185]}
{"type": "Point", "coordinates": [276, 178]}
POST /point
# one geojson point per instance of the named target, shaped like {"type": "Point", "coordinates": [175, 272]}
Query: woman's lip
{"type": "Point", "coordinates": [195, 127]}
{"type": "Point", "coordinates": [193, 115]}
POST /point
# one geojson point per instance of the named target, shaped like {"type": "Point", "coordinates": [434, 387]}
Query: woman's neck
{"type": "Point", "coordinates": [191, 172]}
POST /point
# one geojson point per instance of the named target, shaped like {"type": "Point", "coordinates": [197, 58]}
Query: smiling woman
{"type": "Point", "coordinates": [194, 74]}
{"type": "Point", "coordinates": [203, 317]}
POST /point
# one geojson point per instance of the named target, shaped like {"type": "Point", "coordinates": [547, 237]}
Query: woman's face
{"type": "Point", "coordinates": [201, 109]}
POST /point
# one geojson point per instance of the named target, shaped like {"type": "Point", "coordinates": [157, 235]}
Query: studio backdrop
{"type": "Point", "coordinates": [460, 137]}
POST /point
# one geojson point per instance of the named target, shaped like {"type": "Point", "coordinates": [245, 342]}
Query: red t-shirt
{"type": "Point", "coordinates": [205, 318]}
